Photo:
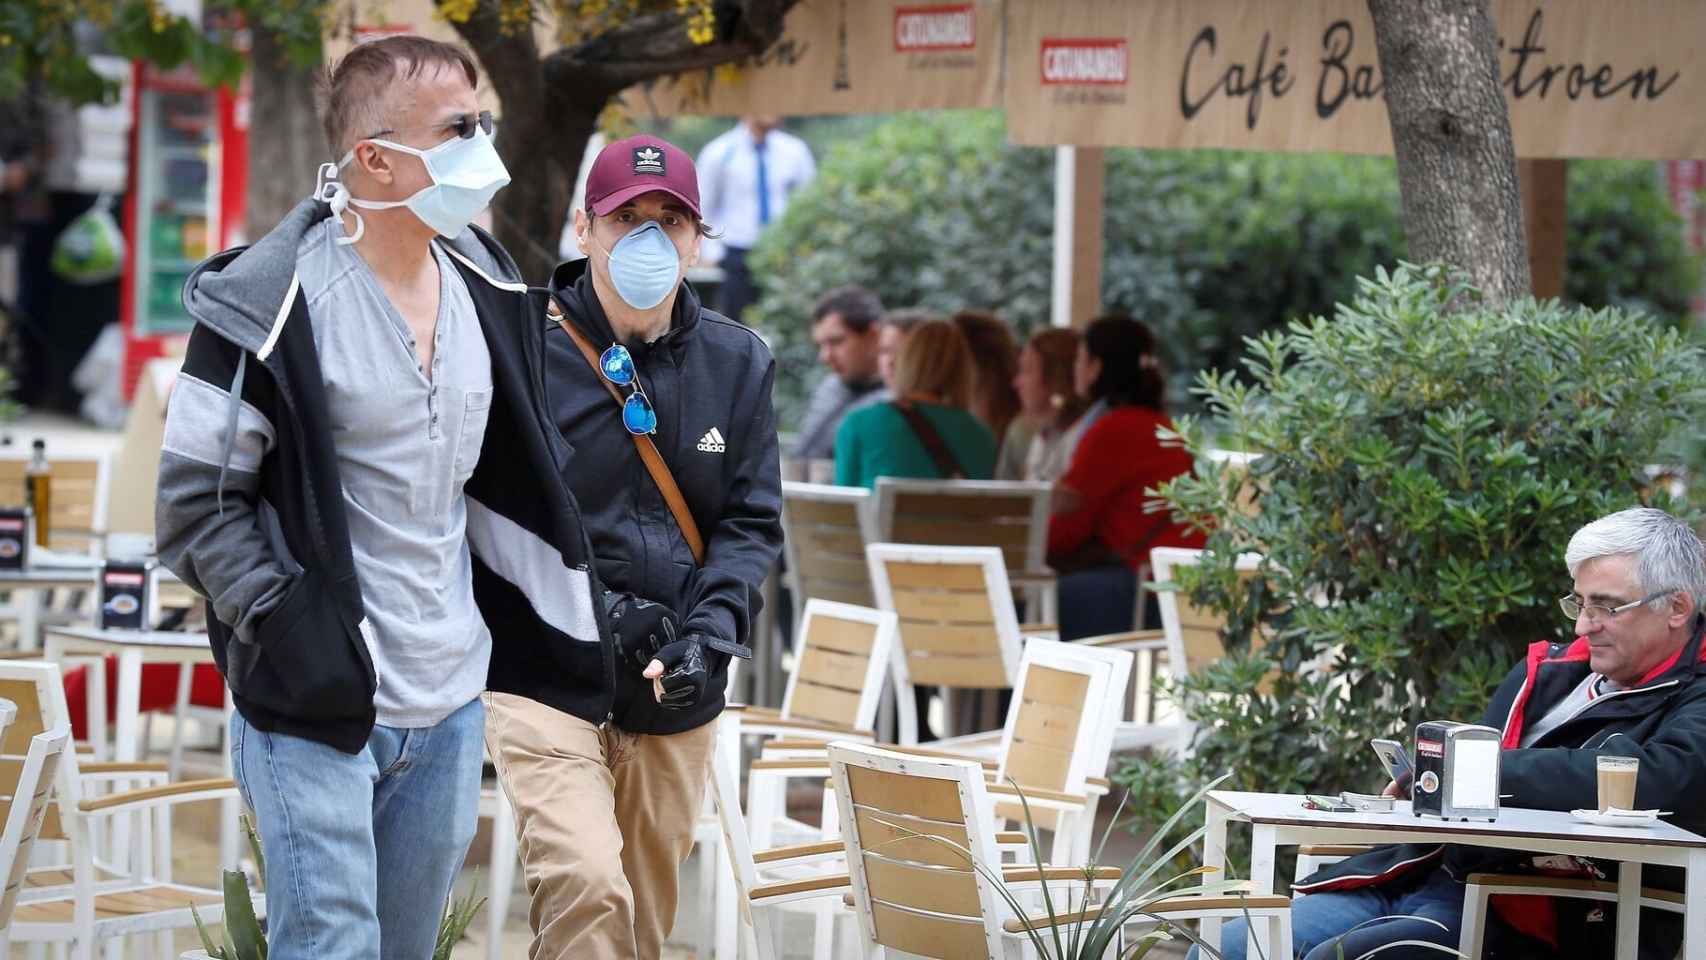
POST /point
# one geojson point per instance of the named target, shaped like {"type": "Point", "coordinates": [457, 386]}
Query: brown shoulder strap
{"type": "Point", "coordinates": [648, 450]}
{"type": "Point", "coordinates": [932, 440]}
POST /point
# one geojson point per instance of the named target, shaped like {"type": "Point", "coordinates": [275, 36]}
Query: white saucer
{"type": "Point", "coordinates": [1617, 818]}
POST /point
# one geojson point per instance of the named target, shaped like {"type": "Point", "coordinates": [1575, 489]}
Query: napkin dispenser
{"type": "Point", "coordinates": [127, 595]}
{"type": "Point", "coordinates": [17, 532]}
{"type": "Point", "coordinates": [1457, 771]}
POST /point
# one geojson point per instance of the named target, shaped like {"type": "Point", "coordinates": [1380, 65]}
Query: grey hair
{"type": "Point", "coordinates": [1668, 554]}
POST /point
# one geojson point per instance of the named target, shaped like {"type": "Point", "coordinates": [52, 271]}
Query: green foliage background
{"type": "Point", "coordinates": [1425, 460]}
{"type": "Point", "coordinates": [1209, 247]}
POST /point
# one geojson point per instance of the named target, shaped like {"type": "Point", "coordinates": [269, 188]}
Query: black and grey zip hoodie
{"type": "Point", "coordinates": [251, 511]}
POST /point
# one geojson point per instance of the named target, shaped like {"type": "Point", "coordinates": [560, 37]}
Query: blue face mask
{"type": "Point", "coordinates": [644, 266]}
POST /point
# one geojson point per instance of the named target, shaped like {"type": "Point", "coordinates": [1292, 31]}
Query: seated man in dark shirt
{"type": "Point", "coordinates": [1631, 684]}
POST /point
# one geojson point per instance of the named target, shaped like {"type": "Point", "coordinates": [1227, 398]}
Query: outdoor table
{"type": "Point", "coordinates": [26, 585]}
{"type": "Point", "coordinates": [1280, 819]}
{"type": "Point", "coordinates": [133, 648]}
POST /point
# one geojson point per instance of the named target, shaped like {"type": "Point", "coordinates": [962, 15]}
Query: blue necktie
{"type": "Point", "coordinates": [763, 185]}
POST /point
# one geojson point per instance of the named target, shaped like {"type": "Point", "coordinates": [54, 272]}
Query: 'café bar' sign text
{"type": "Point", "coordinates": [1582, 77]}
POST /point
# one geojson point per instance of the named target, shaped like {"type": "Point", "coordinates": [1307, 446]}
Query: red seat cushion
{"type": "Point", "coordinates": [159, 690]}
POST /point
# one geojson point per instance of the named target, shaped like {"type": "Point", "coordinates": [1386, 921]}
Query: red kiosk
{"type": "Point", "coordinates": [188, 176]}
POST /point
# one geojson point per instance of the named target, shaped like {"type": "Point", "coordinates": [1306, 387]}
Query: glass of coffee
{"type": "Point", "coordinates": [1617, 782]}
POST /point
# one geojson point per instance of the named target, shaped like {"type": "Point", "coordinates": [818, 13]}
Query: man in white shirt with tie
{"type": "Point", "coordinates": [746, 177]}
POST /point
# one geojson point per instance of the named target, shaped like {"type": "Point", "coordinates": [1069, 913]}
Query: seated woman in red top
{"type": "Point", "coordinates": [1100, 533]}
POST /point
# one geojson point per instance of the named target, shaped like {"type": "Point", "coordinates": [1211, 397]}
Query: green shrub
{"type": "Point", "coordinates": [1209, 247]}
{"type": "Point", "coordinates": [1426, 457]}
{"type": "Point", "coordinates": [1625, 247]}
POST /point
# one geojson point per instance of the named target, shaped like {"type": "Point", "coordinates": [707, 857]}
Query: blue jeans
{"type": "Point", "coordinates": [1429, 910]}
{"type": "Point", "coordinates": [361, 850]}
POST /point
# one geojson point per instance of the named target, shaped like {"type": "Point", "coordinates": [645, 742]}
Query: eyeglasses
{"type": "Point", "coordinates": [1573, 606]}
{"type": "Point", "coordinates": [463, 125]}
{"type": "Point", "coordinates": [617, 365]}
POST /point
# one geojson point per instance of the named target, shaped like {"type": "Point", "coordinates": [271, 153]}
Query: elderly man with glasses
{"type": "Point", "coordinates": [1631, 684]}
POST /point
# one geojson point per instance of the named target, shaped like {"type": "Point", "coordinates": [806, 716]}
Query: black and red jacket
{"type": "Point", "coordinates": [1662, 720]}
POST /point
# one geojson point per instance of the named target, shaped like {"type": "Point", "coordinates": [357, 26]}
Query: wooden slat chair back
{"type": "Point", "coordinates": [844, 652]}
{"type": "Point", "coordinates": [1059, 729]}
{"type": "Point", "coordinates": [912, 828]}
{"type": "Point", "coordinates": [79, 495]}
{"type": "Point", "coordinates": [958, 628]}
{"type": "Point", "coordinates": [90, 902]}
{"type": "Point", "coordinates": [824, 535]}
{"type": "Point", "coordinates": [1193, 633]}
{"type": "Point", "coordinates": [34, 688]}
{"type": "Point", "coordinates": [26, 799]}
{"type": "Point", "coordinates": [1010, 515]}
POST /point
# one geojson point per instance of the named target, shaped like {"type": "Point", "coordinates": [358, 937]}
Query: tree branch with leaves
{"type": "Point", "coordinates": [552, 101]}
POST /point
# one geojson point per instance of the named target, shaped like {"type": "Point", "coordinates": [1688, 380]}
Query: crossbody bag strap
{"type": "Point", "coordinates": [649, 454]}
{"type": "Point", "coordinates": [932, 440]}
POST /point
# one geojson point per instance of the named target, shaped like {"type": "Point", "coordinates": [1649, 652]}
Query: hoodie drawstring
{"type": "Point", "coordinates": [231, 428]}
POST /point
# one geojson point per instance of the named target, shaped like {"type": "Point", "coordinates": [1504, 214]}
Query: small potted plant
{"type": "Point", "coordinates": [241, 936]}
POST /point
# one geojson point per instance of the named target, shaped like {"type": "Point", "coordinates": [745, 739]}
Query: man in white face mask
{"type": "Point", "coordinates": [670, 449]}
{"type": "Point", "coordinates": [321, 483]}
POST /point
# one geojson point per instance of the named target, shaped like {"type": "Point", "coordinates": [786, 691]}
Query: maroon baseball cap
{"type": "Point", "coordinates": [627, 168]}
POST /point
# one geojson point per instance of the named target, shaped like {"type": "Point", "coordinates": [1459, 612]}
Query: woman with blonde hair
{"type": "Point", "coordinates": [926, 431]}
{"type": "Point", "coordinates": [1039, 442]}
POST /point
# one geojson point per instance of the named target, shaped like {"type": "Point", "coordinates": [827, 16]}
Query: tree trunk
{"type": "Point", "coordinates": [286, 145]}
{"type": "Point", "coordinates": [1452, 135]}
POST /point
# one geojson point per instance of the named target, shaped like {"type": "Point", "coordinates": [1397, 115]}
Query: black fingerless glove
{"type": "Point", "coordinates": [685, 672]}
{"type": "Point", "coordinates": [639, 627]}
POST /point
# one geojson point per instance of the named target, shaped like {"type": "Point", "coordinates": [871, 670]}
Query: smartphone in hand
{"type": "Point", "coordinates": [1396, 761]}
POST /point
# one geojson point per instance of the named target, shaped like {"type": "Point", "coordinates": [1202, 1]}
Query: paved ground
{"type": "Point", "coordinates": [196, 843]}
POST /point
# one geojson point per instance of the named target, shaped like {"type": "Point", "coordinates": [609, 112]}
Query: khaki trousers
{"type": "Point", "coordinates": [604, 820]}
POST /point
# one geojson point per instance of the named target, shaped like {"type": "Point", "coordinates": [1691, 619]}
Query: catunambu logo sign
{"type": "Point", "coordinates": [949, 26]}
{"type": "Point", "coordinates": [1100, 61]}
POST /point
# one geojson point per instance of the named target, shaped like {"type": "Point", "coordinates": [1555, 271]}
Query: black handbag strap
{"type": "Point", "coordinates": [931, 439]}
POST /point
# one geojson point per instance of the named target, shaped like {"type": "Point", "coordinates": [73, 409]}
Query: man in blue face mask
{"type": "Point", "coordinates": [352, 414]}
{"type": "Point", "coordinates": [607, 764]}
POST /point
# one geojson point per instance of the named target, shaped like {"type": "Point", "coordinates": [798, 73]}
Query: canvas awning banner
{"type": "Point", "coordinates": [1584, 78]}
{"type": "Point", "coordinates": [851, 56]}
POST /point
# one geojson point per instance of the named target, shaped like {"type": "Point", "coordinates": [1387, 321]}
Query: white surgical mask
{"type": "Point", "coordinates": [466, 172]}
{"type": "Point", "coordinates": [644, 265]}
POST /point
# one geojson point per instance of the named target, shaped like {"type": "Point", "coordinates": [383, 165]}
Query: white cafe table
{"type": "Point", "coordinates": [133, 648]}
{"type": "Point", "coordinates": [1279, 819]}
{"type": "Point", "coordinates": [68, 570]}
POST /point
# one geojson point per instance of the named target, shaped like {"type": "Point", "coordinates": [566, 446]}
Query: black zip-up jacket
{"type": "Point", "coordinates": [250, 510]}
{"type": "Point", "coordinates": [1662, 721]}
{"type": "Point", "coordinates": [710, 381]}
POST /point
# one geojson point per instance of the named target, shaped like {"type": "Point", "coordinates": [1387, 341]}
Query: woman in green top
{"type": "Point", "coordinates": [932, 387]}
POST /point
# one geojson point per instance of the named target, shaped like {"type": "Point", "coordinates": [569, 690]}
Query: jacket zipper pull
{"type": "Point", "coordinates": [607, 718]}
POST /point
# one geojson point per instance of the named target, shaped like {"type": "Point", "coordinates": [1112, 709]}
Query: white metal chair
{"type": "Point", "coordinates": [1192, 638]}
{"type": "Point", "coordinates": [1054, 745]}
{"type": "Point", "coordinates": [88, 901]}
{"type": "Point", "coordinates": [958, 629]}
{"type": "Point", "coordinates": [1480, 886]}
{"type": "Point", "coordinates": [914, 828]}
{"type": "Point", "coordinates": [824, 531]}
{"type": "Point", "coordinates": [1011, 515]}
{"type": "Point", "coordinates": [79, 512]}
{"type": "Point", "coordinates": [833, 693]}
{"type": "Point", "coordinates": [26, 799]}
{"type": "Point", "coordinates": [772, 879]}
